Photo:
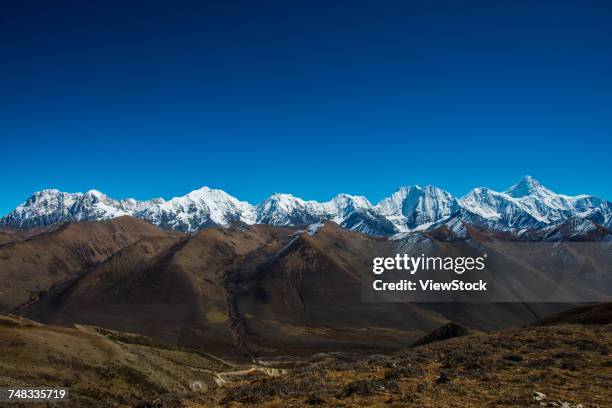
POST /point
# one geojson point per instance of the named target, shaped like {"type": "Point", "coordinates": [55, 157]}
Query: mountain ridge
{"type": "Point", "coordinates": [525, 206]}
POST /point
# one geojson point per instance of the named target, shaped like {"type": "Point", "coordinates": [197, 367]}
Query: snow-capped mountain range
{"type": "Point", "coordinates": [524, 207]}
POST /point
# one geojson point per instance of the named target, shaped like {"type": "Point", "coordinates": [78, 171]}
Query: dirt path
{"type": "Point", "coordinates": [225, 377]}
{"type": "Point", "coordinates": [220, 378]}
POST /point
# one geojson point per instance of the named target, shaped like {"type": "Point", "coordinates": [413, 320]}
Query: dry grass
{"type": "Point", "coordinates": [102, 368]}
{"type": "Point", "coordinates": [567, 363]}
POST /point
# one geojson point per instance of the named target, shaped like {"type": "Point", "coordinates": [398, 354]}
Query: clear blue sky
{"type": "Point", "coordinates": [314, 98]}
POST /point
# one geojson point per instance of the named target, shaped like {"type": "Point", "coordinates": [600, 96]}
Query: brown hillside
{"type": "Point", "coordinates": [33, 265]}
{"type": "Point", "coordinates": [591, 314]}
{"type": "Point", "coordinates": [244, 291]}
{"type": "Point", "coordinates": [240, 290]}
{"type": "Point", "coordinates": [102, 368]}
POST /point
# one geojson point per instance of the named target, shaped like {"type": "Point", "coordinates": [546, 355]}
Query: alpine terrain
{"type": "Point", "coordinates": [523, 208]}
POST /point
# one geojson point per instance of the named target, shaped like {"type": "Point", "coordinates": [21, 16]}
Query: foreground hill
{"type": "Point", "coordinates": [101, 368]}
{"type": "Point", "coordinates": [563, 365]}
{"type": "Point", "coordinates": [556, 366]}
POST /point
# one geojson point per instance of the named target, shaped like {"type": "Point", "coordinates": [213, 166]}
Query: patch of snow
{"type": "Point", "coordinates": [314, 228]}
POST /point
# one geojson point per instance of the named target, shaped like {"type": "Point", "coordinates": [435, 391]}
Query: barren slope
{"type": "Point", "coordinates": [100, 367]}
{"type": "Point", "coordinates": [555, 366]}
{"type": "Point", "coordinates": [244, 291]}
{"type": "Point", "coordinates": [33, 265]}
{"type": "Point", "coordinates": [254, 290]}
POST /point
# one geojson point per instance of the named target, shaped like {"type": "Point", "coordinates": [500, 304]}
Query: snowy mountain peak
{"type": "Point", "coordinates": [526, 206]}
{"type": "Point", "coordinates": [528, 186]}
{"type": "Point", "coordinates": [347, 200]}
{"type": "Point", "coordinates": [285, 209]}
{"type": "Point", "coordinates": [204, 192]}
{"type": "Point", "coordinates": [47, 191]}
{"type": "Point", "coordinates": [50, 206]}
{"type": "Point", "coordinates": [351, 212]}
{"type": "Point", "coordinates": [95, 193]}
{"type": "Point", "coordinates": [198, 209]}
{"type": "Point", "coordinates": [284, 200]}
{"type": "Point", "coordinates": [44, 199]}
{"type": "Point", "coordinates": [414, 207]}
